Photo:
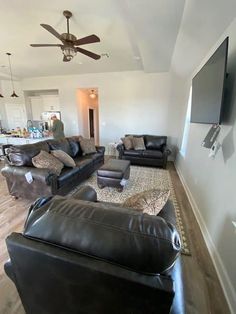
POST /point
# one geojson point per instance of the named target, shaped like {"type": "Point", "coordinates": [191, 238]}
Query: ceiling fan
{"type": "Point", "coordinates": [70, 42]}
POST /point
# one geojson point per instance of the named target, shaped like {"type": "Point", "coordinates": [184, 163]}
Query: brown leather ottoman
{"type": "Point", "coordinates": [112, 173]}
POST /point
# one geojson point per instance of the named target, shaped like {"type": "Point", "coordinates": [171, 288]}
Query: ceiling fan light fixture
{"type": "Point", "coordinates": [92, 94]}
{"type": "Point", "coordinates": [69, 53]}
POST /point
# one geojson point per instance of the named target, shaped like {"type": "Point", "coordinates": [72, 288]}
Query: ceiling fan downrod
{"type": "Point", "coordinates": [67, 15]}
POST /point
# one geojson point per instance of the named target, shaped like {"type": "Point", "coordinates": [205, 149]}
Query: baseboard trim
{"type": "Point", "coordinates": [229, 292]}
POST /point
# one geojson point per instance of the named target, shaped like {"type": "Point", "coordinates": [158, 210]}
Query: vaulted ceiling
{"type": "Point", "coordinates": [135, 34]}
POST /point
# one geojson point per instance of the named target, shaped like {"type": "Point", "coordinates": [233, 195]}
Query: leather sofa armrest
{"type": "Point", "coordinates": [43, 175]}
{"type": "Point", "coordinates": [120, 147]}
{"type": "Point", "coordinates": [5, 147]}
{"type": "Point", "coordinates": [100, 149]}
{"type": "Point", "coordinates": [166, 150]}
{"type": "Point", "coordinates": [86, 193]}
{"type": "Point", "coordinates": [9, 271]}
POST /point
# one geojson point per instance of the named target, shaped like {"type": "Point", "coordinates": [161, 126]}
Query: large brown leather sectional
{"type": "Point", "coordinates": [19, 162]}
{"type": "Point", "coordinates": [155, 154]}
{"type": "Point", "coordinates": [77, 255]}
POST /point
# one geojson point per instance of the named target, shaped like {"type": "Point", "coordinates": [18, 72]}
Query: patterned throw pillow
{"type": "Point", "coordinates": [47, 161]}
{"type": "Point", "coordinates": [138, 143]}
{"type": "Point", "coordinates": [150, 202]}
{"type": "Point", "coordinates": [64, 158]}
{"type": "Point", "coordinates": [87, 146]}
{"type": "Point", "coordinates": [128, 142]}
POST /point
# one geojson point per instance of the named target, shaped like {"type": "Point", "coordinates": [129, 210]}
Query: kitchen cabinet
{"type": "Point", "coordinates": [43, 103]}
{"type": "Point", "coordinates": [21, 141]}
{"type": "Point", "coordinates": [36, 107]}
{"type": "Point", "coordinates": [51, 103]}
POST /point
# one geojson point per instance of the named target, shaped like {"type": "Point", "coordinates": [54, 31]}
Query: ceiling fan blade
{"type": "Point", "coordinates": [51, 30]}
{"type": "Point", "coordinates": [88, 53]}
{"type": "Point", "coordinates": [45, 45]}
{"type": "Point", "coordinates": [65, 59]}
{"type": "Point", "coordinates": [86, 40]}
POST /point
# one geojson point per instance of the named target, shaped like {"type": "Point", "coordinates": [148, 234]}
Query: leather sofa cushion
{"type": "Point", "coordinates": [152, 154]}
{"type": "Point", "coordinates": [60, 145]}
{"type": "Point", "coordinates": [66, 175]}
{"type": "Point", "coordinates": [133, 153]}
{"type": "Point", "coordinates": [124, 237]}
{"type": "Point", "coordinates": [83, 162]}
{"type": "Point", "coordinates": [155, 142]}
{"type": "Point", "coordinates": [21, 155]}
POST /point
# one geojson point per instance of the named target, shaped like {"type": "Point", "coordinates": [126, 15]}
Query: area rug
{"type": "Point", "coordinates": [141, 179]}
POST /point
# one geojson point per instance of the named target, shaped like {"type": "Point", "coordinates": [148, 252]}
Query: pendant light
{"type": "Point", "coordinates": [13, 94]}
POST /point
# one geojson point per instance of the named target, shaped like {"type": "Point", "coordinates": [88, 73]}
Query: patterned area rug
{"type": "Point", "coordinates": [141, 179]}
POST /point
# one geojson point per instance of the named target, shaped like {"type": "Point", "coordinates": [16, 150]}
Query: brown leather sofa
{"type": "Point", "coordinates": [19, 162]}
{"type": "Point", "coordinates": [77, 255]}
{"type": "Point", "coordinates": [155, 154]}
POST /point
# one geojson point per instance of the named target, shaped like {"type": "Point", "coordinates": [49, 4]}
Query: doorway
{"type": "Point", "coordinates": [91, 122]}
{"type": "Point", "coordinates": [88, 109]}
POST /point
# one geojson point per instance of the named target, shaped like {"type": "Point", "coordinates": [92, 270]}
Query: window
{"type": "Point", "coordinates": [186, 125]}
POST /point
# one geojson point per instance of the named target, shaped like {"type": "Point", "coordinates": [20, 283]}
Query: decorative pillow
{"type": "Point", "coordinates": [87, 146]}
{"type": "Point", "coordinates": [74, 146]}
{"type": "Point", "coordinates": [47, 161]}
{"type": "Point", "coordinates": [138, 143]}
{"type": "Point", "coordinates": [64, 158]}
{"type": "Point", "coordinates": [150, 202]}
{"type": "Point", "coordinates": [128, 142]}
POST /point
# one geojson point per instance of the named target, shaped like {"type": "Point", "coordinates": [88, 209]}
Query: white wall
{"type": "Point", "coordinates": [211, 183]}
{"type": "Point", "coordinates": [129, 102]}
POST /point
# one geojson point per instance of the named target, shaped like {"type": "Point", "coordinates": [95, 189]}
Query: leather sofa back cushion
{"type": "Point", "coordinates": [155, 142]}
{"type": "Point", "coordinates": [121, 236]}
{"type": "Point", "coordinates": [21, 155]}
{"type": "Point", "coordinates": [60, 145]}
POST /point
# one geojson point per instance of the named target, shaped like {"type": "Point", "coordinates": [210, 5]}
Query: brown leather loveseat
{"type": "Point", "coordinates": [19, 162]}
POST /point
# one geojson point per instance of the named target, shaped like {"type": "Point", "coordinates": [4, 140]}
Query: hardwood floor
{"type": "Point", "coordinates": [203, 293]}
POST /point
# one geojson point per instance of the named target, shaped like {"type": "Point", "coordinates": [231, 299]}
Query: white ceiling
{"type": "Point", "coordinates": [148, 35]}
{"type": "Point", "coordinates": [136, 34]}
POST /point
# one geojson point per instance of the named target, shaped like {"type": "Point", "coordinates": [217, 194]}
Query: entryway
{"type": "Point", "coordinates": [88, 108]}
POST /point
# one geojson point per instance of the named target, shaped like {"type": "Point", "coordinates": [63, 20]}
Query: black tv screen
{"type": "Point", "coordinates": [208, 88]}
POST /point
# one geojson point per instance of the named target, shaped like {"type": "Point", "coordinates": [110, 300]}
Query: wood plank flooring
{"type": "Point", "coordinates": [203, 293]}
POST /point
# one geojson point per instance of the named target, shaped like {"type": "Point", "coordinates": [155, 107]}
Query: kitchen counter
{"type": "Point", "coordinates": [21, 140]}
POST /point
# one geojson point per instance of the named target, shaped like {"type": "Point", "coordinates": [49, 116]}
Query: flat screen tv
{"type": "Point", "coordinates": [208, 88]}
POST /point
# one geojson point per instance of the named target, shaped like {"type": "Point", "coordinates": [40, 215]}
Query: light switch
{"type": "Point", "coordinates": [234, 224]}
